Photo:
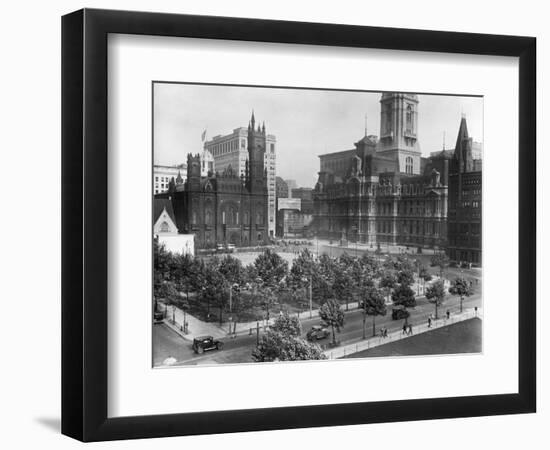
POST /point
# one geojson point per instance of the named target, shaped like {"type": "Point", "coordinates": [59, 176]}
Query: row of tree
{"type": "Point", "coordinates": [226, 282]}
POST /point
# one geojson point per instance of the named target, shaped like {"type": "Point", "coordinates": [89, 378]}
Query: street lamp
{"type": "Point", "coordinates": [305, 279]}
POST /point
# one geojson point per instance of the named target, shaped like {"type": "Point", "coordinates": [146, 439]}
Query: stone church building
{"type": "Point", "coordinates": [225, 208]}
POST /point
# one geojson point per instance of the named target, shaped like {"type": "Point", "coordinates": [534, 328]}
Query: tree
{"type": "Point", "coordinates": [232, 269]}
{"type": "Point", "coordinates": [436, 294]}
{"type": "Point", "coordinates": [287, 325]}
{"type": "Point", "coordinates": [370, 265]}
{"type": "Point", "coordinates": [166, 291]}
{"type": "Point", "coordinates": [214, 290]}
{"type": "Point", "coordinates": [387, 282]}
{"type": "Point", "coordinates": [373, 305]}
{"type": "Point", "coordinates": [405, 276]}
{"type": "Point", "coordinates": [403, 263]}
{"type": "Point", "coordinates": [461, 287]}
{"type": "Point", "coordinates": [332, 315]}
{"type": "Point", "coordinates": [440, 260]}
{"type": "Point", "coordinates": [162, 264]}
{"type": "Point", "coordinates": [403, 295]}
{"type": "Point", "coordinates": [282, 342]}
{"type": "Point", "coordinates": [184, 272]}
{"type": "Point", "coordinates": [276, 346]}
{"type": "Point", "coordinates": [267, 297]}
{"type": "Point", "coordinates": [270, 267]}
{"type": "Point", "coordinates": [423, 273]}
{"type": "Point", "coordinates": [343, 285]}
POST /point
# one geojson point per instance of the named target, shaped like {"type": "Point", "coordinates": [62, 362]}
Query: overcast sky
{"type": "Point", "coordinates": [306, 123]}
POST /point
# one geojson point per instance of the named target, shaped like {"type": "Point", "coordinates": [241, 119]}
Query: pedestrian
{"type": "Point", "coordinates": [475, 310]}
{"type": "Point", "coordinates": [404, 328]}
{"type": "Point", "coordinates": [429, 322]}
{"type": "Point", "coordinates": [385, 332]}
{"type": "Point", "coordinates": [448, 314]}
{"type": "Point", "coordinates": [410, 330]}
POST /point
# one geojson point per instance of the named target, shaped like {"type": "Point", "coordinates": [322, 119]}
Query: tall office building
{"type": "Point", "coordinates": [232, 150]}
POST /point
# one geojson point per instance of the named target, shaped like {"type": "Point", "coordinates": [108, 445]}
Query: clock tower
{"type": "Point", "coordinates": [399, 131]}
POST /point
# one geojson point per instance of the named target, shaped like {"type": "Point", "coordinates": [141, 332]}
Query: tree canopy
{"type": "Point", "coordinates": [282, 342]}
{"type": "Point", "coordinates": [436, 294]}
{"type": "Point", "coordinates": [403, 295]}
{"type": "Point", "coordinates": [270, 267]}
{"type": "Point", "coordinates": [332, 315]}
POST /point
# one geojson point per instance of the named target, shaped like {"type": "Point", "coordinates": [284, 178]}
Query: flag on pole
{"type": "Point", "coordinates": [203, 136]}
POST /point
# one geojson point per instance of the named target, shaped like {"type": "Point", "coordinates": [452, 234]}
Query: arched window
{"type": "Point", "coordinates": [164, 227]}
{"type": "Point", "coordinates": [409, 165]}
{"type": "Point", "coordinates": [409, 119]}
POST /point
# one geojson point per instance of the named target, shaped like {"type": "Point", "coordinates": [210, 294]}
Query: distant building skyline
{"type": "Point", "coordinates": [307, 123]}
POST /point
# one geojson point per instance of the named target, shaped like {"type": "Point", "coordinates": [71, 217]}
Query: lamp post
{"type": "Point", "coordinates": [305, 279]}
{"type": "Point", "coordinates": [310, 300]}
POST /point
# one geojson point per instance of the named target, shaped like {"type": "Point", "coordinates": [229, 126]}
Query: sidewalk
{"type": "Point", "coordinates": [197, 327]}
{"type": "Point", "coordinates": [360, 345]}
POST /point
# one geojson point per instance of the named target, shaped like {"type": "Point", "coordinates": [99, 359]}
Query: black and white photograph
{"type": "Point", "coordinates": [307, 224]}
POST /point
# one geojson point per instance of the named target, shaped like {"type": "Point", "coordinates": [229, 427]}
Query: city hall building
{"type": "Point", "coordinates": [383, 191]}
{"type": "Point", "coordinates": [229, 206]}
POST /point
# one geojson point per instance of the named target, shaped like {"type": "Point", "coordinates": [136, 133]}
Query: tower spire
{"type": "Point", "coordinates": [252, 120]}
{"type": "Point", "coordinates": [443, 139]}
{"type": "Point", "coordinates": [366, 129]}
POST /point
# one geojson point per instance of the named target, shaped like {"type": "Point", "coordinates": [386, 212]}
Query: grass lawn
{"type": "Point", "coordinates": [461, 337]}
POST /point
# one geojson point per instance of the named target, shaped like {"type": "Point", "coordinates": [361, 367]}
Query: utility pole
{"type": "Point", "coordinates": [310, 300]}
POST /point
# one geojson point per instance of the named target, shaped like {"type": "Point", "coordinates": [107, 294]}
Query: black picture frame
{"type": "Point", "coordinates": [84, 224]}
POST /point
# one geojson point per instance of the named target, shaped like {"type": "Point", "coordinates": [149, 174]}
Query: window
{"type": "Point", "coordinates": [164, 227]}
{"type": "Point", "coordinates": [409, 165]}
{"type": "Point", "coordinates": [409, 120]}
{"type": "Point", "coordinates": [272, 148]}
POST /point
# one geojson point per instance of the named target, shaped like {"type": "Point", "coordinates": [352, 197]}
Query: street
{"type": "Point", "coordinates": [167, 343]}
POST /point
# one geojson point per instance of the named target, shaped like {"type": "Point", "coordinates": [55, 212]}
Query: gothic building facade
{"type": "Point", "coordinates": [230, 207]}
{"type": "Point", "coordinates": [383, 192]}
{"type": "Point", "coordinates": [464, 215]}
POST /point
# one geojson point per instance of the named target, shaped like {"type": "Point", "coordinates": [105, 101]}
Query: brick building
{"type": "Point", "coordinates": [464, 215]}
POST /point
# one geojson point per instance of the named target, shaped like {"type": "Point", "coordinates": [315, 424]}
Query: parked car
{"type": "Point", "coordinates": [202, 344]}
{"type": "Point", "coordinates": [317, 332]}
{"type": "Point", "coordinates": [158, 317]}
{"type": "Point", "coordinates": [399, 313]}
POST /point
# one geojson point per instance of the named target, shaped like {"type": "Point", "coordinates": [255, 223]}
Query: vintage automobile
{"type": "Point", "coordinates": [202, 344]}
{"type": "Point", "coordinates": [399, 313]}
{"type": "Point", "coordinates": [158, 317]}
{"type": "Point", "coordinates": [316, 333]}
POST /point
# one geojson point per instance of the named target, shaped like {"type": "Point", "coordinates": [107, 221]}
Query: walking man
{"type": "Point", "coordinates": [429, 322]}
{"type": "Point", "coordinates": [410, 330]}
